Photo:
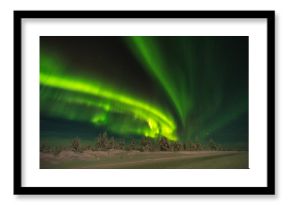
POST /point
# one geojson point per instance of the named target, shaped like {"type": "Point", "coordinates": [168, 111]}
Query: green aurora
{"type": "Point", "coordinates": [189, 88]}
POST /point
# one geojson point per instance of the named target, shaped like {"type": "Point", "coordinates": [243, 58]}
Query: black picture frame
{"type": "Point", "coordinates": [269, 189]}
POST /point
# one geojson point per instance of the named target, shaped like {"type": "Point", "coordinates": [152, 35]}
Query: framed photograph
{"type": "Point", "coordinates": [144, 102]}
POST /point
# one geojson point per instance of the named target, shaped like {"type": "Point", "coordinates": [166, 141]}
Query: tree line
{"type": "Point", "coordinates": [105, 143]}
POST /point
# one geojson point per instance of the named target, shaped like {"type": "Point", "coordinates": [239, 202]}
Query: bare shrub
{"type": "Point", "coordinates": [132, 145]}
{"type": "Point", "coordinates": [164, 145]}
{"type": "Point", "coordinates": [45, 147]}
{"type": "Point", "coordinates": [146, 145]}
{"type": "Point", "coordinates": [57, 149]}
{"type": "Point", "coordinates": [212, 145]}
{"type": "Point", "coordinates": [75, 145]}
{"type": "Point", "coordinates": [121, 145]}
{"type": "Point", "coordinates": [177, 146]}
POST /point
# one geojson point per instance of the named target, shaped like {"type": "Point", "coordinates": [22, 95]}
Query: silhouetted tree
{"type": "Point", "coordinates": [212, 145]}
{"type": "Point", "coordinates": [163, 143]}
{"type": "Point", "coordinates": [132, 145]}
{"type": "Point", "coordinates": [75, 145]}
{"type": "Point", "coordinates": [102, 142]}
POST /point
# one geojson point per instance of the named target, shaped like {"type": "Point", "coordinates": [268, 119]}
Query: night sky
{"type": "Point", "coordinates": [180, 87]}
